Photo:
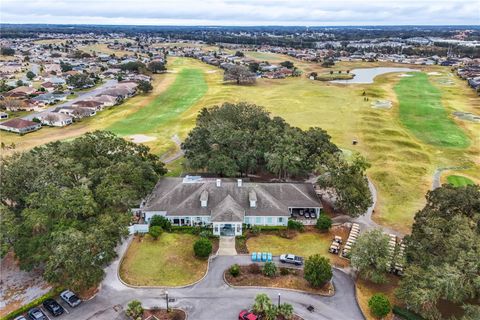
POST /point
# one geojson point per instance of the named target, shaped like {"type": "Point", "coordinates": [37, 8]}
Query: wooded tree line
{"type": "Point", "coordinates": [242, 139]}
{"type": "Point", "coordinates": [65, 205]}
{"type": "Point", "coordinates": [443, 252]}
{"type": "Point", "coordinates": [442, 262]}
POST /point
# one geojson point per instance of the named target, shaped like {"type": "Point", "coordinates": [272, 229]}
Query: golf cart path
{"type": "Point", "coordinates": [178, 154]}
{"type": "Point", "coordinates": [212, 298]}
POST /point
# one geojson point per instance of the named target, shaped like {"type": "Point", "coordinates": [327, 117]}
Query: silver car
{"type": "Point", "coordinates": [70, 298]}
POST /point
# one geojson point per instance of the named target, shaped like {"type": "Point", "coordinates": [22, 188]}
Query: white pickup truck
{"type": "Point", "coordinates": [291, 258]}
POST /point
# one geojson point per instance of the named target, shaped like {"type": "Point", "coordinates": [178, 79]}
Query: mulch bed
{"type": "Point", "coordinates": [162, 314]}
{"type": "Point", "coordinates": [293, 280]}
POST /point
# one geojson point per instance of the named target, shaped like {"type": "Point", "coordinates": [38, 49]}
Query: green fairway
{"type": "Point", "coordinates": [187, 89]}
{"type": "Point", "coordinates": [422, 112]}
{"type": "Point", "coordinates": [459, 181]}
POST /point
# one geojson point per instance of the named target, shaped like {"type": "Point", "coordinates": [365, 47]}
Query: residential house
{"type": "Point", "coordinates": [76, 112]}
{"type": "Point", "coordinates": [24, 90]}
{"type": "Point", "coordinates": [55, 119]}
{"type": "Point", "coordinates": [90, 104]}
{"type": "Point", "coordinates": [108, 101]}
{"type": "Point", "coordinates": [49, 98]}
{"type": "Point", "coordinates": [226, 204]}
{"type": "Point", "coordinates": [20, 126]}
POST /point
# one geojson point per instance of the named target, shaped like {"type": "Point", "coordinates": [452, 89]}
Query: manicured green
{"type": "Point", "coordinates": [187, 89]}
{"type": "Point", "coordinates": [422, 112]}
{"type": "Point", "coordinates": [459, 181]}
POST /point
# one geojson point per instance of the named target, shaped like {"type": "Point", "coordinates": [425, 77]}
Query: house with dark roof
{"type": "Point", "coordinates": [226, 204]}
{"type": "Point", "coordinates": [21, 126]}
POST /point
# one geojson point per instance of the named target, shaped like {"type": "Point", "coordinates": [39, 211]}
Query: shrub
{"type": "Point", "coordinates": [255, 230]}
{"type": "Point", "coordinates": [270, 269]}
{"type": "Point", "coordinates": [379, 305]}
{"type": "Point", "coordinates": [295, 225]}
{"type": "Point", "coordinates": [406, 314]}
{"type": "Point", "coordinates": [284, 271]}
{"type": "Point", "coordinates": [155, 232]}
{"type": "Point", "coordinates": [162, 222]}
{"type": "Point", "coordinates": [234, 270]}
{"type": "Point", "coordinates": [254, 269]}
{"type": "Point", "coordinates": [317, 270]}
{"type": "Point", "coordinates": [206, 234]}
{"type": "Point", "coordinates": [202, 248]}
{"type": "Point", "coordinates": [324, 222]}
{"type": "Point", "coordinates": [134, 309]}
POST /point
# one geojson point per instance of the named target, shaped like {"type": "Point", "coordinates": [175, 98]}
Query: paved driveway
{"type": "Point", "coordinates": [212, 298]}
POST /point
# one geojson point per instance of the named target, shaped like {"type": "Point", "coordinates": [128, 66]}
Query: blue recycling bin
{"type": "Point", "coordinates": [254, 256]}
{"type": "Point", "coordinates": [269, 256]}
{"type": "Point", "coordinates": [264, 256]}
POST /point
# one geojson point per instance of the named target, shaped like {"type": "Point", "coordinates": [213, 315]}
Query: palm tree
{"type": "Point", "coordinates": [262, 303]}
{"type": "Point", "coordinates": [285, 310]}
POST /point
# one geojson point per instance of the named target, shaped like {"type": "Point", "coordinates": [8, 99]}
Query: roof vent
{"type": "Point", "coordinates": [239, 182]}
{"type": "Point", "coordinates": [204, 199]}
{"type": "Point", "coordinates": [219, 183]}
{"type": "Point", "coordinates": [252, 196]}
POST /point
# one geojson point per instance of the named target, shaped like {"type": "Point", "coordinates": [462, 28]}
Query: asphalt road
{"type": "Point", "coordinates": [81, 96]}
{"type": "Point", "coordinates": [212, 298]}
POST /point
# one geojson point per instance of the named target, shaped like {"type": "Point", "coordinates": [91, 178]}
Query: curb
{"type": "Point", "coordinates": [284, 289]}
{"type": "Point", "coordinates": [159, 287]}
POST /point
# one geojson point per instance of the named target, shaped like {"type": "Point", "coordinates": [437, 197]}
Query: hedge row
{"type": "Point", "coordinates": [268, 228]}
{"type": "Point", "coordinates": [406, 314]}
{"type": "Point", "coordinates": [51, 294]}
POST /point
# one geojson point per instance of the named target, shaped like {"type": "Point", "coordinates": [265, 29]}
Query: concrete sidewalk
{"type": "Point", "coordinates": [227, 247]}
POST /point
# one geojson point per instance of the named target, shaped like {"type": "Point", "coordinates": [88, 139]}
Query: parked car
{"type": "Point", "coordinates": [246, 315]}
{"type": "Point", "coordinates": [53, 307]}
{"type": "Point", "coordinates": [291, 258]}
{"type": "Point", "coordinates": [36, 314]}
{"type": "Point", "coordinates": [70, 298]}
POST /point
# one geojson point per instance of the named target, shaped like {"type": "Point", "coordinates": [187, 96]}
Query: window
{"type": "Point", "coordinates": [258, 220]}
{"type": "Point", "coordinates": [247, 220]}
{"type": "Point", "coordinates": [176, 221]}
{"type": "Point", "coordinates": [269, 220]}
{"type": "Point", "coordinates": [238, 228]}
{"type": "Point", "coordinates": [280, 220]}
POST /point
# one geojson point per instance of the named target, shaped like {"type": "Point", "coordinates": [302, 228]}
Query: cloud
{"type": "Point", "coordinates": [242, 12]}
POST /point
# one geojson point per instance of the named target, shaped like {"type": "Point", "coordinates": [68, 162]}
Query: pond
{"type": "Point", "coordinates": [367, 75]}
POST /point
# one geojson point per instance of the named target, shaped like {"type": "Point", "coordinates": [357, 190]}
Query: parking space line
{"type": "Point", "coordinates": [45, 312]}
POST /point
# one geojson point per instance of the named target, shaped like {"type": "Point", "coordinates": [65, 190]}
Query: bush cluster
{"type": "Point", "coordinates": [295, 225]}
{"type": "Point", "coordinates": [270, 269]}
{"type": "Point", "coordinates": [379, 305]}
{"type": "Point", "coordinates": [202, 248]}
{"type": "Point", "coordinates": [324, 222]}
{"type": "Point", "coordinates": [234, 270]}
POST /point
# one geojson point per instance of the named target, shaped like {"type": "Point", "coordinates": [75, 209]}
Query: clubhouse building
{"type": "Point", "coordinates": [227, 204]}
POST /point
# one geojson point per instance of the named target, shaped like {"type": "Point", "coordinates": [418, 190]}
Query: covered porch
{"type": "Point", "coordinates": [227, 229]}
{"type": "Point", "coordinates": [227, 218]}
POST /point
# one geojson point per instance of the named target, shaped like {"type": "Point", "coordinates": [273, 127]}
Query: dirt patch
{"type": "Point", "coordinates": [18, 287]}
{"type": "Point", "coordinates": [162, 314]}
{"type": "Point", "coordinates": [140, 138]}
{"type": "Point", "coordinates": [434, 73]}
{"type": "Point", "coordinates": [250, 276]}
{"type": "Point", "coordinates": [404, 75]}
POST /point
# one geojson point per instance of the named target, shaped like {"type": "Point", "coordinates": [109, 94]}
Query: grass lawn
{"type": "Point", "coordinates": [459, 181]}
{"type": "Point", "coordinates": [304, 244]}
{"type": "Point", "coordinates": [366, 289]}
{"type": "Point", "coordinates": [167, 261]}
{"type": "Point", "coordinates": [422, 112]}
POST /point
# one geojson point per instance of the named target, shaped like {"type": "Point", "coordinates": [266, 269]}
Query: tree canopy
{"type": "Point", "coordinates": [242, 138]}
{"type": "Point", "coordinates": [370, 255]}
{"type": "Point", "coordinates": [239, 74]}
{"type": "Point", "coordinates": [443, 251]}
{"type": "Point", "coordinates": [80, 80]}
{"type": "Point", "coordinates": [156, 66]}
{"type": "Point", "coordinates": [66, 205]}
{"type": "Point", "coordinates": [347, 181]}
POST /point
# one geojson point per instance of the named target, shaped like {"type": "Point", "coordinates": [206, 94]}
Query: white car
{"type": "Point", "coordinates": [70, 298]}
{"type": "Point", "coordinates": [291, 258]}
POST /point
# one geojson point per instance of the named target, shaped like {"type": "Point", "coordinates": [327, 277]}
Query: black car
{"type": "Point", "coordinates": [53, 307]}
{"type": "Point", "coordinates": [36, 314]}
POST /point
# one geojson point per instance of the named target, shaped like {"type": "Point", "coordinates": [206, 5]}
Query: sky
{"type": "Point", "coordinates": [243, 12]}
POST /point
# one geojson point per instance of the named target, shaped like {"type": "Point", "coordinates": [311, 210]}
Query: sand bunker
{"type": "Point", "coordinates": [467, 116]}
{"type": "Point", "coordinates": [140, 138]}
{"type": "Point", "coordinates": [211, 71]}
{"type": "Point", "coordinates": [381, 104]}
{"type": "Point", "coordinates": [403, 75]}
{"type": "Point", "coordinates": [434, 73]}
